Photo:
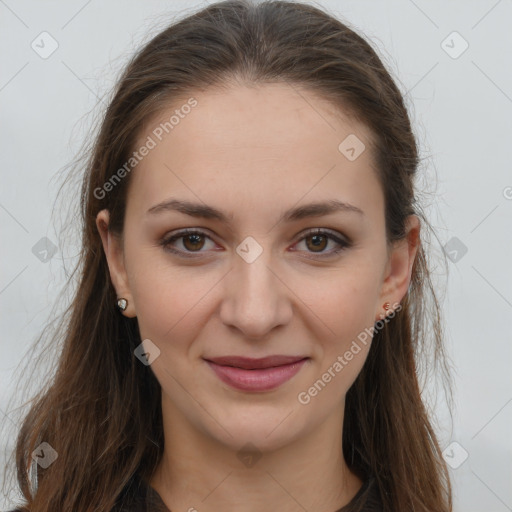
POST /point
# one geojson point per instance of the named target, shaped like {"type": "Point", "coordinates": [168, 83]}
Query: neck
{"type": "Point", "coordinates": [199, 473]}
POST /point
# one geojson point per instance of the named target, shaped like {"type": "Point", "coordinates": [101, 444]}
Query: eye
{"type": "Point", "coordinates": [192, 241]}
{"type": "Point", "coordinates": [316, 240]}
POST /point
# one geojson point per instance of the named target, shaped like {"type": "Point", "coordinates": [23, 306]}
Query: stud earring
{"type": "Point", "coordinates": [122, 304]}
{"type": "Point", "coordinates": [386, 305]}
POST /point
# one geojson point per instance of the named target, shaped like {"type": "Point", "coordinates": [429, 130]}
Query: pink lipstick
{"type": "Point", "coordinates": [262, 374]}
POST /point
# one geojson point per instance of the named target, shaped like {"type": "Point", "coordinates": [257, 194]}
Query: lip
{"type": "Point", "coordinates": [262, 374]}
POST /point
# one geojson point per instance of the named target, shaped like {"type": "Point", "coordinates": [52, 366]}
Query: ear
{"type": "Point", "coordinates": [112, 245]}
{"type": "Point", "coordinates": [397, 275]}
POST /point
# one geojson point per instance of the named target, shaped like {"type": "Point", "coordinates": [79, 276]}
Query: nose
{"type": "Point", "coordinates": [256, 300]}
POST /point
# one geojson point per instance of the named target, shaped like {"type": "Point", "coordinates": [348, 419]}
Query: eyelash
{"type": "Point", "coordinates": [167, 241]}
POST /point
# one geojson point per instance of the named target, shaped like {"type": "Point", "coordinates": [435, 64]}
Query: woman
{"type": "Point", "coordinates": [252, 300]}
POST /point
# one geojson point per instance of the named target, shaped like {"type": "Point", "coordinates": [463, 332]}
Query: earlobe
{"type": "Point", "coordinates": [114, 255]}
{"type": "Point", "coordinates": [400, 264]}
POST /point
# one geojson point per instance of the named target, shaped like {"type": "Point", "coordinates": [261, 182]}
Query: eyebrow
{"type": "Point", "coordinates": [204, 211]}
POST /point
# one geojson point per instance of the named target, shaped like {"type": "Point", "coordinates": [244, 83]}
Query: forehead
{"type": "Point", "coordinates": [252, 143]}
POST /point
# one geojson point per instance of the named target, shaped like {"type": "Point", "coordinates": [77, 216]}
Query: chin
{"type": "Point", "coordinates": [266, 429]}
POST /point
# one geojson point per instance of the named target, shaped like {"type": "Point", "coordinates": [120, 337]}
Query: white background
{"type": "Point", "coordinates": [461, 109]}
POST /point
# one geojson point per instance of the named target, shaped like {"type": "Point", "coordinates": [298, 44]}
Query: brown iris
{"type": "Point", "coordinates": [319, 241]}
{"type": "Point", "coordinates": [197, 241]}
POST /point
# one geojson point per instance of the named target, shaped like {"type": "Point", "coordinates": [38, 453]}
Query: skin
{"type": "Point", "coordinates": [254, 152]}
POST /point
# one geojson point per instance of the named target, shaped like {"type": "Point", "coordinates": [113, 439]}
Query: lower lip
{"type": "Point", "coordinates": [262, 379]}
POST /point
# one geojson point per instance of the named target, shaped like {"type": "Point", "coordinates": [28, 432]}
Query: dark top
{"type": "Point", "coordinates": [141, 497]}
{"type": "Point", "coordinates": [146, 499]}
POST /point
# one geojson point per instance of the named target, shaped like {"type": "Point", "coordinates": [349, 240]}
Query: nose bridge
{"type": "Point", "coordinates": [255, 300]}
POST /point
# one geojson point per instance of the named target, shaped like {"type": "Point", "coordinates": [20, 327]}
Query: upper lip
{"type": "Point", "coordinates": [248, 363]}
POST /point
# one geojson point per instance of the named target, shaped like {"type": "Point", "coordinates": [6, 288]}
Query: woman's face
{"type": "Point", "coordinates": [248, 164]}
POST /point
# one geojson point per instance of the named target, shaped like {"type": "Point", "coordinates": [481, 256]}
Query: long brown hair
{"type": "Point", "coordinates": [101, 409]}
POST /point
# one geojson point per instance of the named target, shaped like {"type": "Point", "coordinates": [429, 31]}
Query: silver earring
{"type": "Point", "coordinates": [122, 304]}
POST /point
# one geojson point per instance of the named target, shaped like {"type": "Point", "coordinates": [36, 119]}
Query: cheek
{"type": "Point", "coordinates": [167, 303]}
{"type": "Point", "coordinates": [159, 307]}
{"type": "Point", "coordinates": [341, 301]}
{"type": "Point", "coordinates": [344, 313]}
{"type": "Point", "coordinates": [170, 301]}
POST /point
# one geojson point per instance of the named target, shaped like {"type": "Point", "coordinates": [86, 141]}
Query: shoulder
{"type": "Point", "coordinates": [367, 499]}
{"type": "Point", "coordinates": [371, 498]}
{"type": "Point", "coordinates": [139, 496]}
